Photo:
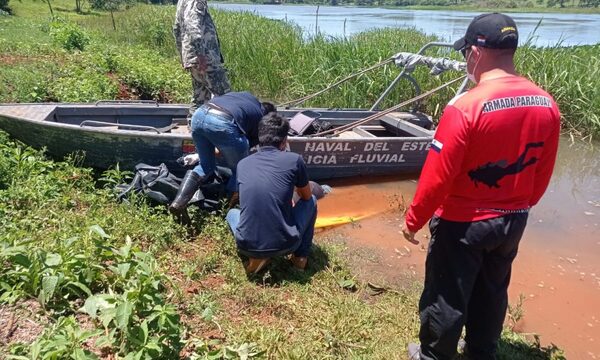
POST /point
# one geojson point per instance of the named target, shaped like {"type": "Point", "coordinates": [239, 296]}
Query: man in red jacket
{"type": "Point", "coordinates": [490, 161]}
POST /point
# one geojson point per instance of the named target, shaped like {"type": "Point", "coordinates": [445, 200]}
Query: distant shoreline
{"type": "Point", "coordinates": [552, 10]}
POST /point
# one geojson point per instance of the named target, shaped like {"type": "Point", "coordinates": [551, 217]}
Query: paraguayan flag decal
{"type": "Point", "coordinates": [436, 145]}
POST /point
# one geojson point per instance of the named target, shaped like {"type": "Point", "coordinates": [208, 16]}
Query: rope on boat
{"type": "Point", "coordinates": [409, 61]}
{"type": "Point", "coordinates": [308, 97]}
{"type": "Point", "coordinates": [382, 113]}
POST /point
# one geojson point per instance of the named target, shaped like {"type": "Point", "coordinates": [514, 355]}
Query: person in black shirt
{"type": "Point", "coordinates": [267, 223]}
{"type": "Point", "coordinates": [229, 123]}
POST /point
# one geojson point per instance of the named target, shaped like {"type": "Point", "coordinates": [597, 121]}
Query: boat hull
{"type": "Point", "coordinates": [95, 147]}
{"type": "Point", "coordinates": [337, 158]}
{"type": "Point", "coordinates": [102, 148]}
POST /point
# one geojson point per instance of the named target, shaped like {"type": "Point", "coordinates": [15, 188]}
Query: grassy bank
{"type": "Point", "coordinates": [84, 277]}
{"type": "Point", "coordinates": [269, 57]}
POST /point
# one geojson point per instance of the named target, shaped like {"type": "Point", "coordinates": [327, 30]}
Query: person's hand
{"type": "Point", "coordinates": [191, 159]}
{"type": "Point", "coordinates": [409, 235]}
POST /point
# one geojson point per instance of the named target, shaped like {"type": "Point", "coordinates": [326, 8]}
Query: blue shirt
{"type": "Point", "coordinates": [245, 109]}
{"type": "Point", "coordinates": [266, 182]}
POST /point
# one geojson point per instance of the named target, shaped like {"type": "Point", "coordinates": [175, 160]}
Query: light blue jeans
{"type": "Point", "coordinates": [209, 131]}
{"type": "Point", "coordinates": [305, 216]}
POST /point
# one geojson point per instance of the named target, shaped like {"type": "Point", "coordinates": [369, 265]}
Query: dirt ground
{"type": "Point", "coordinates": [22, 322]}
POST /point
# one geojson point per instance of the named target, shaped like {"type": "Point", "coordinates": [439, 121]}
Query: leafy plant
{"type": "Point", "coordinates": [79, 84]}
{"type": "Point", "coordinates": [65, 340]}
{"type": "Point", "coordinates": [516, 311]}
{"type": "Point", "coordinates": [133, 306]}
{"type": "Point", "coordinates": [214, 349]}
{"type": "Point", "coordinates": [115, 176]}
{"type": "Point", "coordinates": [68, 35]}
{"type": "Point", "coordinates": [72, 267]}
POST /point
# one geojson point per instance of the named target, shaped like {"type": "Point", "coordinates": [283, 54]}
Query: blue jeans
{"type": "Point", "coordinates": [305, 215]}
{"type": "Point", "coordinates": [209, 131]}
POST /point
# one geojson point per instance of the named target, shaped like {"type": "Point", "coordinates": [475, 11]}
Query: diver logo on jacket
{"type": "Point", "coordinates": [491, 173]}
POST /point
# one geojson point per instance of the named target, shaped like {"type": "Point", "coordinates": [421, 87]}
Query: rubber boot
{"type": "Point", "coordinates": [190, 183]}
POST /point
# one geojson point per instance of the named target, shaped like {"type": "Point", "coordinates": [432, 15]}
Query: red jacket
{"type": "Point", "coordinates": [493, 152]}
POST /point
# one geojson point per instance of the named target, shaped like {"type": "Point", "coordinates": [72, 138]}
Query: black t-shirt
{"type": "Point", "coordinates": [266, 184]}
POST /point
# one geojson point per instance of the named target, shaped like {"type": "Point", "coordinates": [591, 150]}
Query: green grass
{"type": "Point", "coordinates": [123, 279]}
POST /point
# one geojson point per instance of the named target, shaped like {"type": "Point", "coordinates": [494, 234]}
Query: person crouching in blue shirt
{"type": "Point", "coordinates": [229, 123]}
{"type": "Point", "coordinates": [268, 224]}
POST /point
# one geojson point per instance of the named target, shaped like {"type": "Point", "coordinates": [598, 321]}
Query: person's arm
{"type": "Point", "coordinates": [252, 134]}
{"type": "Point", "coordinates": [253, 120]}
{"type": "Point", "coordinates": [302, 184]}
{"type": "Point", "coordinates": [193, 41]}
{"type": "Point", "coordinates": [545, 165]}
{"type": "Point", "coordinates": [304, 192]}
{"type": "Point", "coordinates": [443, 163]}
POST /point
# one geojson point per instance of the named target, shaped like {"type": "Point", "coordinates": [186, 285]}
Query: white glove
{"type": "Point", "coordinates": [191, 159]}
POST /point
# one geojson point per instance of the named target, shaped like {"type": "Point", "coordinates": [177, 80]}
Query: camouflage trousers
{"type": "Point", "coordinates": [213, 81]}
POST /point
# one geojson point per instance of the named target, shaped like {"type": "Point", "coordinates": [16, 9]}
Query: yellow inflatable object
{"type": "Point", "coordinates": [323, 222]}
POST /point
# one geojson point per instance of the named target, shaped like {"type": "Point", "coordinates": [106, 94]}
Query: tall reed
{"type": "Point", "coordinates": [572, 76]}
{"type": "Point", "coordinates": [277, 60]}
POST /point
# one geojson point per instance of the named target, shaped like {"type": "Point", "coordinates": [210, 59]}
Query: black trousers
{"type": "Point", "coordinates": [467, 273]}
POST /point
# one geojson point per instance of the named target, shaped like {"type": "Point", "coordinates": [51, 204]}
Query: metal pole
{"type": "Point", "coordinates": [397, 79]}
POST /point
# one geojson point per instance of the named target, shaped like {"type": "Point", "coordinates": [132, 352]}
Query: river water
{"type": "Point", "coordinates": [566, 29]}
{"type": "Point", "coordinates": [557, 270]}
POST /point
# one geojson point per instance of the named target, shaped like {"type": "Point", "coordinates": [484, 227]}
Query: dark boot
{"type": "Point", "coordinates": [190, 183]}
